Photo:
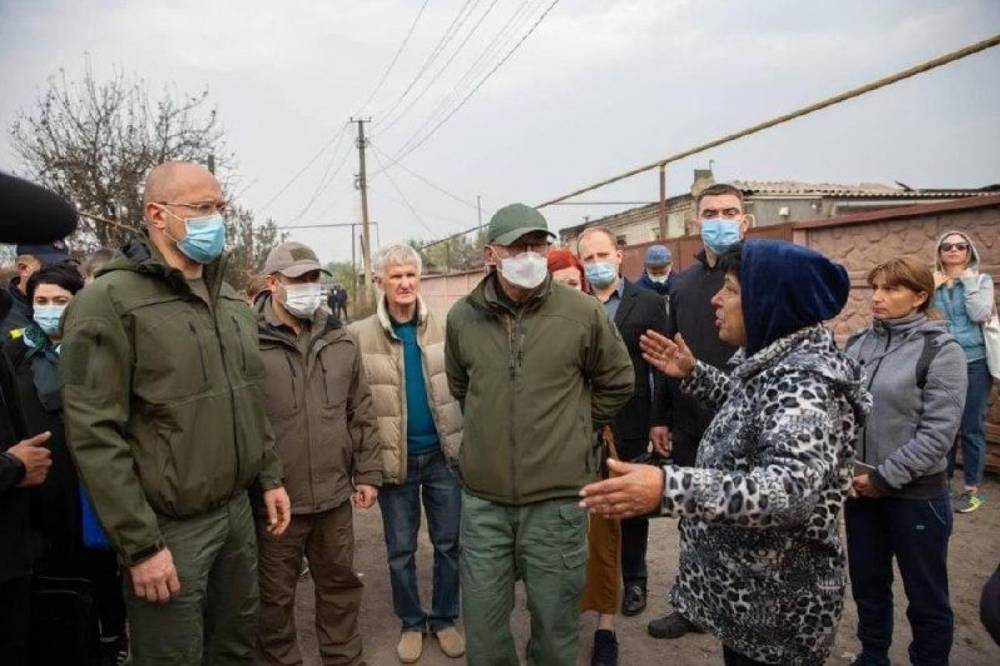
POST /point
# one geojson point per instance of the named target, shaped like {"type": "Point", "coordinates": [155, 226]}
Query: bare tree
{"type": "Point", "coordinates": [248, 245]}
{"type": "Point", "coordinates": [95, 141]}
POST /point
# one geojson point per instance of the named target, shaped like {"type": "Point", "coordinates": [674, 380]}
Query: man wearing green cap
{"type": "Point", "coordinates": [536, 366]}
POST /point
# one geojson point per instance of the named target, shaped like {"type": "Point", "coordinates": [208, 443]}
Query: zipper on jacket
{"type": "Point", "coordinates": [512, 326]}
{"type": "Point", "coordinates": [871, 380]}
{"type": "Point", "coordinates": [291, 369]}
{"type": "Point", "coordinates": [232, 394]}
{"type": "Point", "coordinates": [201, 352]}
{"type": "Point", "coordinates": [239, 337]}
{"type": "Point", "coordinates": [326, 390]}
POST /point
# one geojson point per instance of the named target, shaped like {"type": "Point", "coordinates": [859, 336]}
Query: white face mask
{"type": "Point", "coordinates": [659, 279]}
{"type": "Point", "coordinates": [302, 300]}
{"type": "Point", "coordinates": [527, 270]}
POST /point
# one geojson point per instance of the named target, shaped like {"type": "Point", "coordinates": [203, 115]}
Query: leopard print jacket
{"type": "Point", "coordinates": [761, 563]}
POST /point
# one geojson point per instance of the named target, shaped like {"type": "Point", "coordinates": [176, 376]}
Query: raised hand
{"type": "Point", "coordinates": [671, 357]}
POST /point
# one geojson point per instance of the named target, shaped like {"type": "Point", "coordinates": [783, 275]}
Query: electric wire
{"type": "Point", "coordinates": [395, 59]}
{"type": "Point", "coordinates": [479, 85]}
{"type": "Point", "coordinates": [448, 34]}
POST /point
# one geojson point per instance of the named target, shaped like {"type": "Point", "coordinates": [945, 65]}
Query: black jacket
{"type": "Point", "coordinates": [639, 311]}
{"type": "Point", "coordinates": [691, 314]}
{"type": "Point", "coordinates": [55, 505]}
{"type": "Point", "coordinates": [20, 310]}
{"type": "Point", "coordinates": [15, 528]}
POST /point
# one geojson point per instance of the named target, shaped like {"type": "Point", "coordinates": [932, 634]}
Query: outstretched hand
{"type": "Point", "coordinates": [671, 357]}
{"type": "Point", "coordinates": [638, 491]}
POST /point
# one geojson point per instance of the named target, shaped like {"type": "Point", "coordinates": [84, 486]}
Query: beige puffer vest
{"type": "Point", "coordinates": [382, 354]}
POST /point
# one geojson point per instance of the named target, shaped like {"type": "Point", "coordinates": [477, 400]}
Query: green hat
{"type": "Point", "coordinates": [513, 221]}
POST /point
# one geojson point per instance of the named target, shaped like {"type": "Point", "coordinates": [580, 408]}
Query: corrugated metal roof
{"type": "Point", "coordinates": [796, 188]}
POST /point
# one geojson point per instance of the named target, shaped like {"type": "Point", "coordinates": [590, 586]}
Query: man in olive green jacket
{"type": "Point", "coordinates": [318, 400]}
{"type": "Point", "coordinates": [536, 366]}
{"type": "Point", "coordinates": [165, 418]}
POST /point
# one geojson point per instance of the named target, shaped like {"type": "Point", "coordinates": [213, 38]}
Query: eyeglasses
{"type": "Point", "coordinates": [725, 213]}
{"type": "Point", "coordinates": [948, 247]}
{"type": "Point", "coordinates": [203, 208]}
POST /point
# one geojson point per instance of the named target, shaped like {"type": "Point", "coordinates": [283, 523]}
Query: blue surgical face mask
{"type": "Point", "coordinates": [205, 239]}
{"type": "Point", "coordinates": [48, 317]}
{"type": "Point", "coordinates": [720, 235]}
{"type": "Point", "coordinates": [601, 274]}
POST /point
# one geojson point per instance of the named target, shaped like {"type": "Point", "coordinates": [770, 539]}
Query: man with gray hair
{"type": "Point", "coordinates": [421, 429]}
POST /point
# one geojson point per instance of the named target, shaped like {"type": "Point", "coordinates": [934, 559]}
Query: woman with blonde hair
{"type": "Point", "coordinates": [899, 507]}
{"type": "Point", "coordinates": [965, 297]}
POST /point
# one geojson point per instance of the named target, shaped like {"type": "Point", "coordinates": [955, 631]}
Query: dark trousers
{"type": "Point", "coordinates": [427, 479]}
{"type": "Point", "coordinates": [214, 617]}
{"type": "Point", "coordinates": [635, 536]}
{"type": "Point", "coordinates": [972, 436]}
{"type": "Point", "coordinates": [635, 531]}
{"type": "Point", "coordinates": [916, 533]}
{"type": "Point", "coordinates": [734, 658]}
{"type": "Point", "coordinates": [15, 620]}
{"type": "Point", "coordinates": [327, 539]}
{"type": "Point", "coordinates": [102, 569]}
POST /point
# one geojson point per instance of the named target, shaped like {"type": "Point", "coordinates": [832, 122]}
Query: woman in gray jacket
{"type": "Point", "coordinates": [900, 508]}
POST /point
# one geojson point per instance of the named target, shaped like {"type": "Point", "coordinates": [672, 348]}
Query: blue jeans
{"type": "Point", "coordinates": [973, 436]}
{"type": "Point", "coordinates": [442, 500]}
{"type": "Point", "coordinates": [916, 532]}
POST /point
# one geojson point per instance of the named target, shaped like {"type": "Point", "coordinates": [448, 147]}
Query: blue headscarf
{"type": "Point", "coordinates": [786, 287]}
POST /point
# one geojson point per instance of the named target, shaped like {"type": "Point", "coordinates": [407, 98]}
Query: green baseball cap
{"type": "Point", "coordinates": [513, 221]}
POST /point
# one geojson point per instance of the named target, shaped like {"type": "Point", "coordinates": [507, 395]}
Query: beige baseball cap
{"type": "Point", "coordinates": [292, 260]}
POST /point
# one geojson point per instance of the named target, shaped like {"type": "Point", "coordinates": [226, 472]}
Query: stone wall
{"type": "Point", "coordinates": [862, 241]}
{"type": "Point", "coordinates": [859, 241]}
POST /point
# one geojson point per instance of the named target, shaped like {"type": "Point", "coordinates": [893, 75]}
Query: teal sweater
{"type": "Point", "coordinates": [421, 435]}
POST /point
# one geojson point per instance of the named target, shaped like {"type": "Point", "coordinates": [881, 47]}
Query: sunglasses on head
{"type": "Point", "coordinates": [948, 247]}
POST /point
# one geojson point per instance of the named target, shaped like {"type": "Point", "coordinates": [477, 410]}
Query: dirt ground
{"type": "Point", "coordinates": [974, 554]}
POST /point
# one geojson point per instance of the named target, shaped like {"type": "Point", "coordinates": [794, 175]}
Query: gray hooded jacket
{"type": "Point", "coordinates": [910, 428]}
{"type": "Point", "coordinates": [965, 302]}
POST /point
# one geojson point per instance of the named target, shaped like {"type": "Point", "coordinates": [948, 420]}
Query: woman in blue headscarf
{"type": "Point", "coordinates": [762, 565]}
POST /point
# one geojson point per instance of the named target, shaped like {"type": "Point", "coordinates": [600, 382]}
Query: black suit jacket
{"type": "Point", "coordinates": [639, 311]}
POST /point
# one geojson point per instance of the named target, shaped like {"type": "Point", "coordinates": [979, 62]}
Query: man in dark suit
{"type": "Point", "coordinates": [633, 310]}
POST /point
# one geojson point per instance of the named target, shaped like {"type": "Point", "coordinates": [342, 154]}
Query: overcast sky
{"type": "Point", "coordinates": [601, 86]}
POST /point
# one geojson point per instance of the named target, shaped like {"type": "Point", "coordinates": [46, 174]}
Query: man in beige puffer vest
{"type": "Point", "coordinates": [421, 430]}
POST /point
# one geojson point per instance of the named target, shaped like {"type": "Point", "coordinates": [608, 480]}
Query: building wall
{"type": "Point", "coordinates": [858, 246]}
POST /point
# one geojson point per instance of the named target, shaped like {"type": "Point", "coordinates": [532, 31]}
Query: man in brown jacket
{"type": "Point", "coordinates": [318, 401]}
{"type": "Point", "coordinates": [421, 427]}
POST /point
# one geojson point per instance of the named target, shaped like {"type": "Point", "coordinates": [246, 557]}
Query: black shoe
{"type": "Point", "coordinates": [635, 599]}
{"type": "Point", "coordinates": [114, 651]}
{"type": "Point", "coordinates": [672, 626]}
{"type": "Point", "coordinates": [605, 648]}
{"type": "Point", "coordinates": [866, 659]}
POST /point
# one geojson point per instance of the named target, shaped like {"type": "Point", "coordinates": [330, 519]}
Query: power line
{"type": "Point", "coordinates": [798, 113]}
{"type": "Point", "coordinates": [395, 58]}
{"type": "Point", "coordinates": [301, 171]}
{"type": "Point", "coordinates": [479, 85]}
{"type": "Point", "coordinates": [402, 196]}
{"type": "Point", "coordinates": [423, 179]}
{"type": "Point", "coordinates": [427, 63]}
{"type": "Point", "coordinates": [473, 69]}
{"type": "Point", "coordinates": [430, 84]}
{"type": "Point", "coordinates": [324, 182]}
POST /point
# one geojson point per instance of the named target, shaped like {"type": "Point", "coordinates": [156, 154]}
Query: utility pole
{"type": "Point", "coordinates": [663, 202]}
{"type": "Point", "coordinates": [362, 184]}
